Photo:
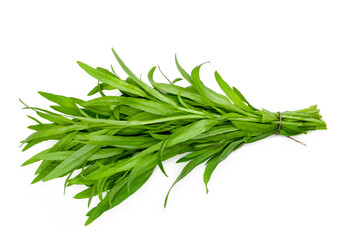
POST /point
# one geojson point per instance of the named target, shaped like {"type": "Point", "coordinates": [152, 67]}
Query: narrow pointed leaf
{"type": "Point", "coordinates": [74, 160]}
{"type": "Point", "coordinates": [212, 163]}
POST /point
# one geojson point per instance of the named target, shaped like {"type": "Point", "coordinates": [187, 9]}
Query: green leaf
{"type": "Point", "coordinates": [35, 158]}
{"type": "Point", "coordinates": [149, 90]}
{"type": "Point", "coordinates": [55, 118]}
{"type": "Point", "coordinates": [84, 194]}
{"type": "Point", "coordinates": [194, 154]}
{"type": "Point", "coordinates": [157, 108]}
{"type": "Point", "coordinates": [43, 126]}
{"type": "Point", "coordinates": [197, 160]}
{"type": "Point", "coordinates": [65, 110]}
{"type": "Point", "coordinates": [177, 90]}
{"type": "Point", "coordinates": [159, 162]}
{"type": "Point", "coordinates": [94, 111]}
{"type": "Point", "coordinates": [255, 127]}
{"type": "Point", "coordinates": [112, 81]}
{"type": "Point", "coordinates": [120, 196]}
{"type": "Point", "coordinates": [100, 186]}
{"type": "Point", "coordinates": [102, 86]}
{"type": "Point", "coordinates": [64, 141]}
{"type": "Point", "coordinates": [106, 153]}
{"type": "Point", "coordinates": [217, 130]}
{"type": "Point", "coordinates": [126, 142]}
{"type": "Point", "coordinates": [268, 117]}
{"type": "Point", "coordinates": [73, 161]}
{"type": "Point", "coordinates": [177, 80]}
{"type": "Point", "coordinates": [62, 101]}
{"type": "Point", "coordinates": [212, 163]}
{"type": "Point", "coordinates": [36, 141]}
{"type": "Point", "coordinates": [164, 75]}
{"type": "Point", "coordinates": [60, 145]}
{"type": "Point", "coordinates": [62, 155]}
{"type": "Point", "coordinates": [232, 95]}
{"type": "Point", "coordinates": [257, 137]}
{"type": "Point", "coordinates": [47, 169]}
{"type": "Point", "coordinates": [140, 123]}
{"type": "Point", "coordinates": [153, 107]}
{"type": "Point", "coordinates": [55, 131]}
{"type": "Point", "coordinates": [191, 131]}
{"type": "Point", "coordinates": [34, 119]}
{"type": "Point", "coordinates": [143, 116]}
{"type": "Point", "coordinates": [241, 96]}
{"type": "Point", "coordinates": [183, 72]}
{"type": "Point", "coordinates": [197, 84]}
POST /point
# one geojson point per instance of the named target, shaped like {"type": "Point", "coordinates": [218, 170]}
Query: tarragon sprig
{"type": "Point", "coordinates": [111, 144]}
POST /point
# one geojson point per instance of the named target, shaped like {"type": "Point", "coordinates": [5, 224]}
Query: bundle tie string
{"type": "Point", "coordinates": [279, 130]}
{"type": "Point", "coordinates": [280, 123]}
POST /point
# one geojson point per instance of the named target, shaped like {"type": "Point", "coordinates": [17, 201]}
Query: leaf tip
{"type": "Point", "coordinates": [163, 170]}
{"type": "Point", "coordinates": [24, 164]}
{"type": "Point", "coordinates": [176, 59]}
{"type": "Point", "coordinates": [41, 93]}
{"type": "Point", "coordinates": [216, 74]}
{"type": "Point", "coordinates": [87, 222]}
{"type": "Point", "coordinates": [115, 53]}
{"type": "Point", "coordinates": [26, 106]}
{"type": "Point", "coordinates": [82, 65]}
{"type": "Point", "coordinates": [166, 200]}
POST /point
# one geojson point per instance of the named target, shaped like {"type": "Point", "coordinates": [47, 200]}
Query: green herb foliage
{"type": "Point", "coordinates": [111, 144]}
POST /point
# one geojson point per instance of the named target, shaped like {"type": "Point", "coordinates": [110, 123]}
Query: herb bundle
{"type": "Point", "coordinates": [112, 144]}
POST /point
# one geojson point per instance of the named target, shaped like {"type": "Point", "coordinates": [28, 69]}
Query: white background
{"type": "Point", "coordinates": [283, 55]}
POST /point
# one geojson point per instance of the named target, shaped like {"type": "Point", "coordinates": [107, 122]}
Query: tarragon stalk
{"type": "Point", "coordinates": [111, 144]}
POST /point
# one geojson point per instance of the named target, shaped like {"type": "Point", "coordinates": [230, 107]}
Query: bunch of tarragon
{"type": "Point", "coordinates": [112, 144]}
